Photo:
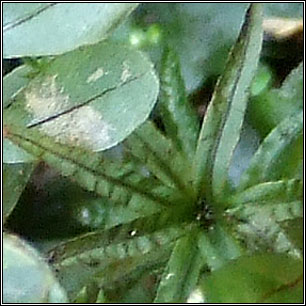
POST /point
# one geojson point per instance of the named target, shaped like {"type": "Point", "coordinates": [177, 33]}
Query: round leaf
{"type": "Point", "coordinates": [26, 278]}
{"type": "Point", "coordinates": [92, 97]}
{"type": "Point", "coordinates": [32, 29]}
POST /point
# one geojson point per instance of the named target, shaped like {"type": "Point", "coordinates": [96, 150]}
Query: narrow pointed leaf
{"type": "Point", "coordinates": [222, 124]}
{"type": "Point", "coordinates": [100, 298]}
{"type": "Point", "coordinates": [259, 227]}
{"type": "Point", "coordinates": [133, 288]}
{"type": "Point", "coordinates": [82, 296]}
{"type": "Point", "coordinates": [35, 29]}
{"type": "Point", "coordinates": [93, 97]}
{"type": "Point", "coordinates": [90, 294]}
{"type": "Point", "coordinates": [159, 156]}
{"type": "Point", "coordinates": [279, 140]}
{"type": "Point", "coordinates": [90, 169]}
{"type": "Point", "coordinates": [217, 247]}
{"type": "Point", "coordinates": [261, 278]}
{"type": "Point", "coordinates": [180, 121]}
{"type": "Point", "coordinates": [270, 192]}
{"type": "Point", "coordinates": [110, 255]}
{"type": "Point", "coordinates": [181, 272]}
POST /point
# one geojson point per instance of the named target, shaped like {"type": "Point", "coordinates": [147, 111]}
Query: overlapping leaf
{"type": "Point", "coordinates": [147, 191]}
{"type": "Point", "coordinates": [35, 29]}
{"type": "Point", "coordinates": [15, 178]}
{"type": "Point", "coordinates": [149, 147]}
{"type": "Point", "coordinates": [269, 192]}
{"type": "Point", "coordinates": [116, 181]}
{"type": "Point", "coordinates": [259, 227]}
{"type": "Point", "coordinates": [218, 246]}
{"type": "Point", "coordinates": [110, 255]}
{"type": "Point", "coordinates": [270, 108]}
{"type": "Point", "coordinates": [12, 84]}
{"type": "Point", "coordinates": [92, 97]}
{"type": "Point", "coordinates": [264, 278]}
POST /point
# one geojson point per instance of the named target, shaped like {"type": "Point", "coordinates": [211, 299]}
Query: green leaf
{"type": "Point", "coordinates": [139, 289]}
{"type": "Point", "coordinates": [15, 178]}
{"type": "Point", "coordinates": [263, 278]}
{"type": "Point", "coordinates": [108, 256]}
{"type": "Point", "coordinates": [289, 163]}
{"type": "Point", "coordinates": [35, 29]}
{"type": "Point", "coordinates": [270, 108]}
{"type": "Point", "coordinates": [102, 213]}
{"type": "Point", "coordinates": [291, 87]}
{"type": "Point", "coordinates": [269, 192]}
{"type": "Point", "coordinates": [13, 154]}
{"type": "Point", "coordinates": [295, 230]}
{"type": "Point", "coordinates": [280, 139]}
{"type": "Point", "coordinates": [90, 294]}
{"type": "Point", "coordinates": [13, 83]}
{"type": "Point", "coordinates": [202, 34]}
{"type": "Point", "coordinates": [93, 97]}
{"type": "Point", "coordinates": [259, 227]}
{"type": "Point", "coordinates": [148, 146]}
{"type": "Point", "coordinates": [100, 298]}
{"type": "Point", "coordinates": [139, 286]}
{"type": "Point", "coordinates": [180, 121]}
{"type": "Point", "coordinates": [222, 123]}
{"type": "Point", "coordinates": [217, 246]}
{"type": "Point", "coordinates": [82, 296]}
{"type": "Point", "coordinates": [63, 209]}
{"type": "Point", "coordinates": [262, 80]}
{"type": "Point", "coordinates": [181, 273]}
{"type": "Point", "coordinates": [115, 181]}
{"type": "Point", "coordinates": [19, 261]}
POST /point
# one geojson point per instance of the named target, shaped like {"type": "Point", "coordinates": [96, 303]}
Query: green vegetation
{"type": "Point", "coordinates": [125, 192]}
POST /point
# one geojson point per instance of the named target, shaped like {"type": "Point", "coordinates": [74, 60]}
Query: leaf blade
{"type": "Point", "coordinates": [107, 256]}
{"type": "Point", "coordinates": [270, 108]}
{"type": "Point", "coordinates": [55, 28]}
{"type": "Point", "coordinates": [180, 120]}
{"type": "Point", "coordinates": [267, 275]}
{"type": "Point", "coordinates": [217, 247]}
{"type": "Point", "coordinates": [260, 227]}
{"type": "Point", "coordinates": [15, 178]}
{"type": "Point", "coordinates": [221, 127]}
{"type": "Point", "coordinates": [181, 273]}
{"type": "Point", "coordinates": [271, 148]}
{"type": "Point", "coordinates": [269, 192]}
{"type": "Point", "coordinates": [83, 98]}
{"type": "Point", "coordinates": [150, 147]}
{"type": "Point", "coordinates": [89, 169]}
